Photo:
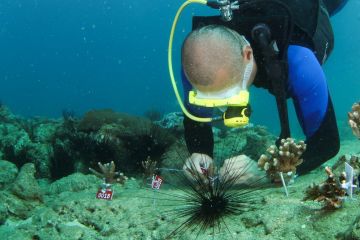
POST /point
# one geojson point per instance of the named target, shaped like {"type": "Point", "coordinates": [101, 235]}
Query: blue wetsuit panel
{"type": "Point", "coordinates": [307, 87]}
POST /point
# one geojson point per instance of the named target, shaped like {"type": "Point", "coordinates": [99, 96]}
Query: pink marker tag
{"type": "Point", "coordinates": [156, 182]}
{"type": "Point", "coordinates": [105, 194]}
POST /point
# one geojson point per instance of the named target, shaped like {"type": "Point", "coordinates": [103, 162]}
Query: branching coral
{"type": "Point", "coordinates": [354, 119]}
{"type": "Point", "coordinates": [108, 173]}
{"type": "Point", "coordinates": [149, 168]}
{"type": "Point", "coordinates": [283, 159]}
{"type": "Point", "coordinates": [330, 192]}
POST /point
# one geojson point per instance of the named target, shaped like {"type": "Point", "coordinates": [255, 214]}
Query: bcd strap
{"type": "Point", "coordinates": [276, 71]}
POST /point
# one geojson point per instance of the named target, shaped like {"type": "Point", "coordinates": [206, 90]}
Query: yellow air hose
{"type": "Point", "coordinates": [171, 71]}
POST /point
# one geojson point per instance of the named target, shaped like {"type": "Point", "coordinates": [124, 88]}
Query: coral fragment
{"type": "Point", "coordinates": [108, 173]}
{"type": "Point", "coordinates": [330, 192]}
{"type": "Point", "coordinates": [283, 159]}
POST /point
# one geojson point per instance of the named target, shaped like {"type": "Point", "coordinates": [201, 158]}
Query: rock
{"type": "Point", "coordinates": [45, 132]}
{"type": "Point", "coordinates": [15, 207]}
{"type": "Point", "coordinates": [352, 233]}
{"type": "Point", "coordinates": [3, 213]}
{"type": "Point", "coordinates": [73, 183]}
{"type": "Point", "coordinates": [41, 154]}
{"type": "Point", "coordinates": [25, 185]}
{"type": "Point", "coordinates": [13, 141]}
{"type": "Point", "coordinates": [72, 230]}
{"type": "Point", "coordinates": [8, 173]}
{"type": "Point", "coordinates": [173, 121]}
{"type": "Point", "coordinates": [251, 221]}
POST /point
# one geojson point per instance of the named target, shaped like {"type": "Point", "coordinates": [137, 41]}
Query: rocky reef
{"type": "Point", "coordinates": [59, 147]}
{"type": "Point", "coordinates": [27, 140]}
{"type": "Point", "coordinates": [48, 192]}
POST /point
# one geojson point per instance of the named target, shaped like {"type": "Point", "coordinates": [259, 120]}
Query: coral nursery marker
{"type": "Point", "coordinates": [156, 182]}
{"type": "Point", "coordinates": [105, 192]}
{"type": "Point", "coordinates": [348, 185]}
{"type": "Point", "coordinates": [284, 184]}
{"type": "Point", "coordinates": [155, 185]}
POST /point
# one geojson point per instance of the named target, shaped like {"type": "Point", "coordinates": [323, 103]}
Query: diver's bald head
{"type": "Point", "coordinates": [212, 58]}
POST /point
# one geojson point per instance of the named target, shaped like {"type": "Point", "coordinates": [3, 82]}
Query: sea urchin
{"type": "Point", "coordinates": [206, 203]}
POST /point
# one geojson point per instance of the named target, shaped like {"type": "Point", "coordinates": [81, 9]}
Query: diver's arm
{"type": "Point", "coordinates": [198, 136]}
{"type": "Point", "coordinates": [314, 109]}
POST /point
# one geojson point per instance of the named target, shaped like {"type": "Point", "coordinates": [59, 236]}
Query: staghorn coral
{"type": "Point", "coordinates": [283, 159]}
{"type": "Point", "coordinates": [108, 173]}
{"type": "Point", "coordinates": [354, 119]}
{"type": "Point", "coordinates": [330, 192]}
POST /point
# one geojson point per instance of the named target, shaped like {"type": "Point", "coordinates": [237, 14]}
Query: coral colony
{"type": "Point", "coordinates": [149, 169]}
{"type": "Point", "coordinates": [109, 176]}
{"type": "Point", "coordinates": [284, 159]}
{"type": "Point", "coordinates": [331, 192]}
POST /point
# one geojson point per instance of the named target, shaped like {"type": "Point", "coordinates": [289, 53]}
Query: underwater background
{"type": "Point", "coordinates": [88, 54]}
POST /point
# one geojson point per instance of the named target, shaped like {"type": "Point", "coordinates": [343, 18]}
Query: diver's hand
{"type": "Point", "coordinates": [242, 170]}
{"type": "Point", "coordinates": [199, 165]}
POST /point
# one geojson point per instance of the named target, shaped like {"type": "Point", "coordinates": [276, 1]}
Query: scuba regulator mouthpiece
{"type": "Point", "coordinates": [226, 8]}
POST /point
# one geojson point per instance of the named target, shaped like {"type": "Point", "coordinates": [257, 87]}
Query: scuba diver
{"type": "Point", "coordinates": [278, 45]}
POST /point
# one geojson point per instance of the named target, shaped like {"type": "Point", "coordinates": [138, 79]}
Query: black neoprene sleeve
{"type": "Point", "coordinates": [198, 137]}
{"type": "Point", "coordinates": [322, 145]}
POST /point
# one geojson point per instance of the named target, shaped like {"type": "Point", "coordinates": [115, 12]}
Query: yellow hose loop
{"type": "Point", "coordinates": [171, 71]}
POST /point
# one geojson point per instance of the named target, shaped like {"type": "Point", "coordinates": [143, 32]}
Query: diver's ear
{"type": "Point", "coordinates": [247, 53]}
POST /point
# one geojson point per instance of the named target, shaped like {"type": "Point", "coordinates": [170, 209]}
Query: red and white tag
{"type": "Point", "coordinates": [105, 194]}
{"type": "Point", "coordinates": [156, 182]}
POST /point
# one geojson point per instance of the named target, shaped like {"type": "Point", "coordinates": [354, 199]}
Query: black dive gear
{"type": "Point", "coordinates": [198, 137]}
{"type": "Point", "coordinates": [226, 8]}
{"type": "Point", "coordinates": [277, 72]}
{"type": "Point", "coordinates": [270, 26]}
